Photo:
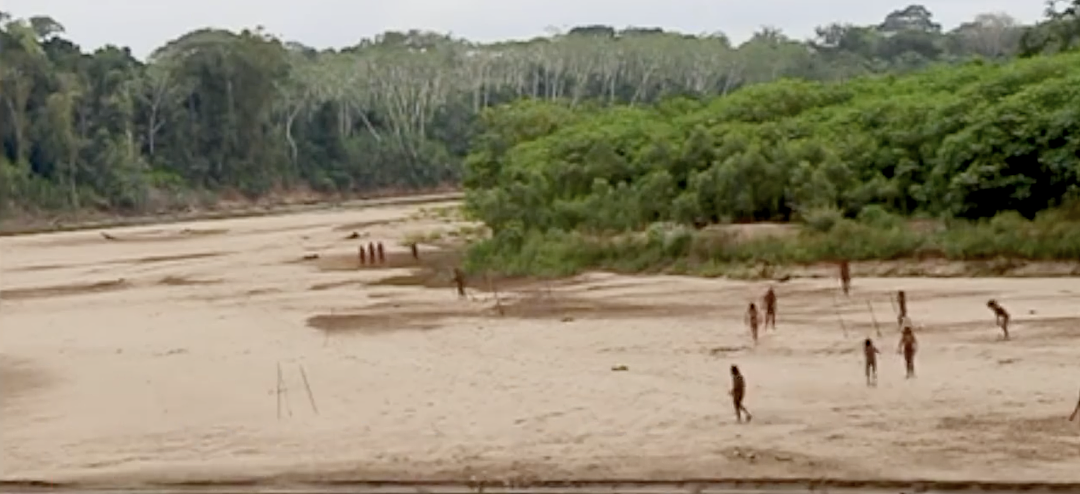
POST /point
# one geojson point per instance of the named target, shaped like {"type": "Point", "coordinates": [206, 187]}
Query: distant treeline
{"type": "Point", "coordinates": [218, 112]}
{"type": "Point", "coordinates": [563, 188]}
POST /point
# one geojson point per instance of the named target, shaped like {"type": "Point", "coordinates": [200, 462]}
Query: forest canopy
{"type": "Point", "coordinates": [986, 152]}
{"type": "Point", "coordinates": [969, 142]}
{"type": "Point", "coordinates": [216, 112]}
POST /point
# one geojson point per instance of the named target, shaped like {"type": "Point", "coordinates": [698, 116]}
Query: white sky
{"type": "Point", "coordinates": [146, 24]}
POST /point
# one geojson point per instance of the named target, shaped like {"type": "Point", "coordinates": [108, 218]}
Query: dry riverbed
{"type": "Point", "coordinates": [154, 355]}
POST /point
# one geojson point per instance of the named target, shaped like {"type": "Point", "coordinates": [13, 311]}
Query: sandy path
{"type": "Point", "coordinates": [170, 374]}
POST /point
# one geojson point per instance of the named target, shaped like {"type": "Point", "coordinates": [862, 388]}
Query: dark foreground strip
{"type": "Point", "coordinates": [694, 486]}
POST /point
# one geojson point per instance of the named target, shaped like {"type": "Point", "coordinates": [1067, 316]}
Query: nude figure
{"type": "Point", "coordinates": [371, 251]}
{"type": "Point", "coordinates": [738, 392]}
{"type": "Point", "coordinates": [908, 346]}
{"type": "Point", "coordinates": [870, 352]}
{"type": "Point", "coordinates": [1001, 316]}
{"type": "Point", "coordinates": [752, 320]}
{"type": "Point", "coordinates": [845, 276]}
{"type": "Point", "coordinates": [415, 251]}
{"type": "Point", "coordinates": [363, 255]}
{"type": "Point", "coordinates": [770, 308]}
{"type": "Point", "coordinates": [901, 302]}
{"type": "Point", "coordinates": [459, 281]}
{"type": "Point", "coordinates": [382, 253]}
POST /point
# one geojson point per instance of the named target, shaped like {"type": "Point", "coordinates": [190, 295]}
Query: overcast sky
{"type": "Point", "coordinates": [146, 24]}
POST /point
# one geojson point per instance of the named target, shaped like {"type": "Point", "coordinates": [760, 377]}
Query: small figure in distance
{"type": "Point", "coordinates": [738, 392]}
{"type": "Point", "coordinates": [363, 255]}
{"type": "Point", "coordinates": [1001, 317]}
{"type": "Point", "coordinates": [770, 308]}
{"type": "Point", "coordinates": [845, 276]}
{"type": "Point", "coordinates": [382, 252]}
{"type": "Point", "coordinates": [908, 346]}
{"type": "Point", "coordinates": [371, 251]}
{"type": "Point", "coordinates": [752, 319]}
{"type": "Point", "coordinates": [871, 352]}
{"type": "Point", "coordinates": [901, 301]}
{"type": "Point", "coordinates": [415, 251]}
{"type": "Point", "coordinates": [459, 281]}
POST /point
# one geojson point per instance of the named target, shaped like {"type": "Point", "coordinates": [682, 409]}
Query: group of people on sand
{"type": "Point", "coordinates": [907, 346]}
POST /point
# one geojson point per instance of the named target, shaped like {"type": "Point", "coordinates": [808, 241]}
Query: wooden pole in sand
{"type": "Point", "coordinates": [873, 318]}
{"type": "Point", "coordinates": [283, 392]}
{"type": "Point", "coordinates": [310, 396]}
{"type": "Point", "coordinates": [278, 392]}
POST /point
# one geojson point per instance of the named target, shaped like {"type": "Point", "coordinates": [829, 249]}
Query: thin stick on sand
{"type": "Point", "coordinates": [278, 393]}
{"type": "Point", "coordinates": [873, 318]}
{"type": "Point", "coordinates": [1076, 411]}
{"type": "Point", "coordinates": [310, 395]}
{"type": "Point", "coordinates": [839, 317]}
{"type": "Point", "coordinates": [284, 390]}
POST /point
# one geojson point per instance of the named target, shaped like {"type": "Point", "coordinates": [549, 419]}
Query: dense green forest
{"type": "Point", "coordinates": [218, 113]}
{"type": "Point", "coordinates": [633, 187]}
{"type": "Point", "coordinates": [969, 141]}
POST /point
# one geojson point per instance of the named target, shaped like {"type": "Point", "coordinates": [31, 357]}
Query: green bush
{"type": "Point", "coordinates": [558, 253]}
{"type": "Point", "coordinates": [986, 149]}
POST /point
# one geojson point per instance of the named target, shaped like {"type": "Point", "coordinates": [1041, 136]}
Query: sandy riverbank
{"type": "Point", "coordinates": [155, 356]}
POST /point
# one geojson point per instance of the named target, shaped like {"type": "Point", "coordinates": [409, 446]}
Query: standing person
{"type": "Point", "coordinates": [870, 352]}
{"type": "Point", "coordinates": [845, 276]}
{"type": "Point", "coordinates": [738, 392]}
{"type": "Point", "coordinates": [908, 346]}
{"type": "Point", "coordinates": [459, 282]}
{"type": "Point", "coordinates": [770, 308]}
{"type": "Point", "coordinates": [1001, 316]}
{"type": "Point", "coordinates": [752, 320]}
{"type": "Point", "coordinates": [901, 302]}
